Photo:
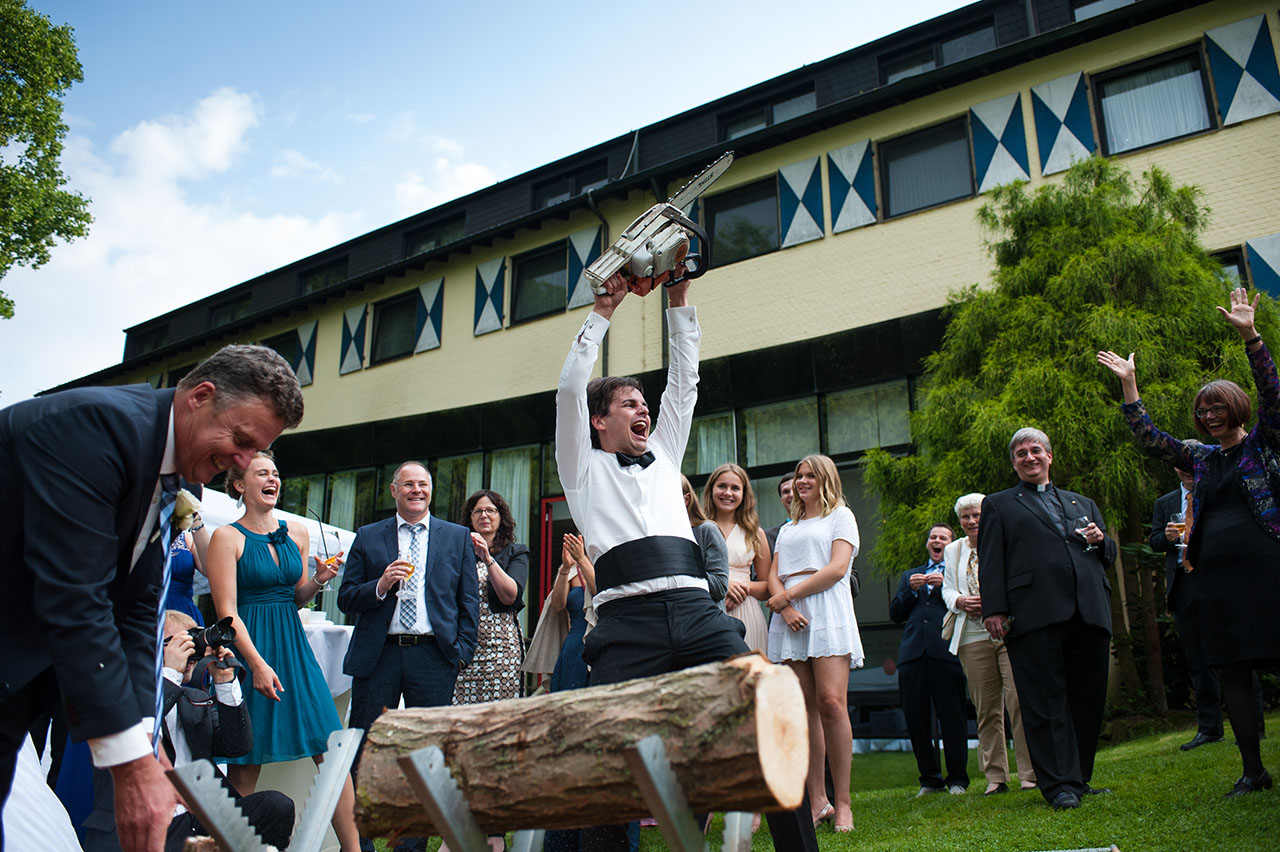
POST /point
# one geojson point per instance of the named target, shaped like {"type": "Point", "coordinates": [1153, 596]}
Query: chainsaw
{"type": "Point", "coordinates": [658, 241]}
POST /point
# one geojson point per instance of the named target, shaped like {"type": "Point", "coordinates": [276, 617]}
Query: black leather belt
{"type": "Point", "coordinates": [405, 639]}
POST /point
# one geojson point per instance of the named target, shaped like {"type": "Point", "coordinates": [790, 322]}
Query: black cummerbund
{"type": "Point", "coordinates": [647, 559]}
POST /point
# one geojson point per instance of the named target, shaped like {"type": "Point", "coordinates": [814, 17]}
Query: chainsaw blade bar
{"type": "Point", "coordinates": [701, 181]}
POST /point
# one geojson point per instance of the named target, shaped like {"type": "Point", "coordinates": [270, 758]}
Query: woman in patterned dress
{"type": "Point", "coordinates": [503, 565]}
{"type": "Point", "coordinates": [727, 499]}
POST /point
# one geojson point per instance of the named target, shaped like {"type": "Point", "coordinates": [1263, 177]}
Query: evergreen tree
{"type": "Point", "coordinates": [37, 65]}
{"type": "Point", "coordinates": [1091, 263]}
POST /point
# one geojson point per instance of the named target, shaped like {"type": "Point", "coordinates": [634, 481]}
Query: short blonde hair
{"type": "Point", "coordinates": [968, 501]}
{"type": "Point", "coordinates": [830, 491]}
{"type": "Point", "coordinates": [178, 620]}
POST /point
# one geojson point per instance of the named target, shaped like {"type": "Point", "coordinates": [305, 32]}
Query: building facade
{"type": "Point", "coordinates": [847, 218]}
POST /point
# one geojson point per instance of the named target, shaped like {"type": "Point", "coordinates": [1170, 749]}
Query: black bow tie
{"type": "Point", "coordinates": [644, 459]}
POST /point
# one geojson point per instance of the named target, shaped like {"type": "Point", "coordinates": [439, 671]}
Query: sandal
{"type": "Point", "coordinates": [826, 813]}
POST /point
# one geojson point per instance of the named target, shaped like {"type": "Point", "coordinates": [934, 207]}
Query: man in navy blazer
{"type": "Point", "coordinates": [1045, 591]}
{"type": "Point", "coordinates": [409, 645]}
{"type": "Point", "coordinates": [80, 487]}
{"type": "Point", "coordinates": [929, 675]}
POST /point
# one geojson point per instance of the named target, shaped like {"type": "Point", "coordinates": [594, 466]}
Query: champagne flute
{"type": "Point", "coordinates": [1081, 524]}
{"type": "Point", "coordinates": [1179, 521]}
{"type": "Point", "coordinates": [403, 559]}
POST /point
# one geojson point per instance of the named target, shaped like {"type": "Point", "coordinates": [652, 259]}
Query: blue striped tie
{"type": "Point", "coordinates": [168, 496]}
{"type": "Point", "coordinates": [409, 603]}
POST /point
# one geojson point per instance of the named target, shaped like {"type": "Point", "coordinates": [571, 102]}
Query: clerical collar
{"type": "Point", "coordinates": [1038, 486]}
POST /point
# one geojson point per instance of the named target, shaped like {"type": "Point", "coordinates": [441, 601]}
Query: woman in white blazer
{"type": "Point", "coordinates": [985, 663]}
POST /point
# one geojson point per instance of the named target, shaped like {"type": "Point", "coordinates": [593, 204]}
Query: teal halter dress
{"type": "Point", "coordinates": [299, 724]}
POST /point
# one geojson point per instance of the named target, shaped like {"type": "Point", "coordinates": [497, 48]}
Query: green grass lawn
{"type": "Point", "coordinates": [1163, 800]}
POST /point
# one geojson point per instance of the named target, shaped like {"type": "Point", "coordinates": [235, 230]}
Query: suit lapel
{"type": "Point", "coordinates": [152, 458]}
{"type": "Point", "coordinates": [391, 539]}
{"type": "Point", "coordinates": [1036, 507]}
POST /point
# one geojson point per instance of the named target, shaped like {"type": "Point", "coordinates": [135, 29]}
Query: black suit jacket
{"type": "Point", "coordinates": [77, 473]}
{"type": "Point", "coordinates": [923, 613]}
{"type": "Point", "coordinates": [1033, 571]}
{"type": "Point", "coordinates": [452, 592]}
{"type": "Point", "coordinates": [1166, 505]}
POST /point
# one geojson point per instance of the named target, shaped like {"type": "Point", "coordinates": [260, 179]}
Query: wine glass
{"type": "Point", "coordinates": [1081, 524]}
{"type": "Point", "coordinates": [402, 592]}
{"type": "Point", "coordinates": [1179, 521]}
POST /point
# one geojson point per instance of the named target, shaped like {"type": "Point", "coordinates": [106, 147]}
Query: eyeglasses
{"type": "Point", "coordinates": [1218, 409]}
{"type": "Point", "coordinates": [490, 511]}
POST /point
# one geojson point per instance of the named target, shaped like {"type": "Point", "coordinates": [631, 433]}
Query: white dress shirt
{"type": "Point", "coordinates": [422, 622]}
{"type": "Point", "coordinates": [612, 504]}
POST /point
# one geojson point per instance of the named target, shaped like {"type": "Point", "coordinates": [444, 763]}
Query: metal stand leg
{"type": "Point", "coordinates": [664, 795]}
{"type": "Point", "coordinates": [439, 794]}
{"type": "Point", "coordinates": [528, 840]}
{"type": "Point", "coordinates": [737, 832]}
{"type": "Point", "coordinates": [212, 803]}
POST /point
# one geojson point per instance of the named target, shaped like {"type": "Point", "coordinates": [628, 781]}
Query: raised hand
{"type": "Point", "coordinates": [616, 290]}
{"type": "Point", "coordinates": [1241, 313]}
{"type": "Point", "coordinates": [1125, 370]}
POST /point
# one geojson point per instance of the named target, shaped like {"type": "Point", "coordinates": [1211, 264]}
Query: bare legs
{"type": "Point", "coordinates": [244, 777]}
{"type": "Point", "coordinates": [825, 684]}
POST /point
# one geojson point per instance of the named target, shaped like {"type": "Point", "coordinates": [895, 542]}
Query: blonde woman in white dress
{"type": "Point", "coordinates": [813, 629]}
{"type": "Point", "coordinates": [727, 499]}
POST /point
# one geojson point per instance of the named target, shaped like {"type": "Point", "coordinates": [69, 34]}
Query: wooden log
{"type": "Point", "coordinates": [736, 735]}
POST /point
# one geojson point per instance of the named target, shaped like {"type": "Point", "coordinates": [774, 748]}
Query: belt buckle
{"type": "Point", "coordinates": [406, 640]}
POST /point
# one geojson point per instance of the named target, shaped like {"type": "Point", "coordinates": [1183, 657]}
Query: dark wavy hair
{"type": "Point", "coordinates": [506, 533]}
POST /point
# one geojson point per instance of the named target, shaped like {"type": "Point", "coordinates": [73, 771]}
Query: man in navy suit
{"type": "Point", "coordinates": [929, 674]}
{"type": "Point", "coordinates": [413, 642]}
{"type": "Point", "coordinates": [80, 492]}
{"type": "Point", "coordinates": [1045, 591]}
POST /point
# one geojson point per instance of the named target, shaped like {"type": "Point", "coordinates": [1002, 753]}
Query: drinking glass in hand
{"type": "Point", "coordinates": [1179, 522]}
{"type": "Point", "coordinates": [403, 559]}
{"type": "Point", "coordinates": [1081, 524]}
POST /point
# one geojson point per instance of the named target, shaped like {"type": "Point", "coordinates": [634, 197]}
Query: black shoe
{"type": "Point", "coordinates": [1065, 800]}
{"type": "Point", "coordinates": [1198, 740]}
{"type": "Point", "coordinates": [1247, 785]}
{"type": "Point", "coordinates": [1096, 791]}
{"type": "Point", "coordinates": [997, 790]}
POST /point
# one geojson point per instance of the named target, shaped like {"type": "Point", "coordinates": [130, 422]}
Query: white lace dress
{"type": "Point", "coordinates": [741, 556]}
{"type": "Point", "coordinates": [804, 547]}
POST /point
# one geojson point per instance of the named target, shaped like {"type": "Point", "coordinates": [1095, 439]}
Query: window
{"type": "Point", "coordinates": [176, 374]}
{"type": "Point", "coordinates": [229, 311]}
{"type": "Point", "coordinates": [456, 478]}
{"type": "Point", "coordinates": [287, 346]}
{"type": "Point", "coordinates": [319, 277]}
{"type": "Point", "coordinates": [926, 168]}
{"type": "Point", "coordinates": [1233, 267]}
{"type": "Point", "coordinates": [711, 444]}
{"type": "Point", "coordinates": [434, 235]}
{"type": "Point", "coordinates": [149, 340]}
{"type": "Point", "coordinates": [740, 122]}
{"type": "Point", "coordinates": [743, 222]}
{"type": "Point", "coordinates": [303, 495]}
{"type": "Point", "coordinates": [926, 57]}
{"type": "Point", "coordinates": [541, 283]}
{"type": "Point", "coordinates": [1161, 99]}
{"type": "Point", "coordinates": [781, 432]}
{"type": "Point", "coordinates": [394, 327]}
{"type": "Point", "coordinates": [1084, 9]}
{"type": "Point", "coordinates": [566, 186]}
{"type": "Point", "coordinates": [351, 498]}
{"type": "Point", "coordinates": [863, 418]}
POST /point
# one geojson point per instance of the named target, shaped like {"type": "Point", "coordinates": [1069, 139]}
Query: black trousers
{"type": "Point", "coordinates": [1060, 672]}
{"type": "Point", "coordinates": [928, 686]}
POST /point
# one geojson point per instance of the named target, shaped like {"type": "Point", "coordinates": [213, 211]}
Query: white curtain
{"type": "Point", "coordinates": [342, 513]}
{"type": "Point", "coordinates": [715, 442]}
{"type": "Point", "coordinates": [510, 474]}
{"type": "Point", "coordinates": [1153, 105]}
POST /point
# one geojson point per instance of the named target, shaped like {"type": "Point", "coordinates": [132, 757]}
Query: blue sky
{"type": "Point", "coordinates": [220, 141]}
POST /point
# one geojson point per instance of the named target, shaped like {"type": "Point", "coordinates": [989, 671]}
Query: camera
{"type": "Point", "coordinates": [217, 635]}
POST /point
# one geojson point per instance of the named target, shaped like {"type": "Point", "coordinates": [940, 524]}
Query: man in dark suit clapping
{"type": "Point", "coordinates": [83, 474]}
{"type": "Point", "coordinates": [1044, 589]}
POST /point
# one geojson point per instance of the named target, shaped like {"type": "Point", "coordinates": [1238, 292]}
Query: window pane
{"type": "Point", "coordinates": [768, 504]}
{"type": "Point", "coordinates": [229, 312]}
{"type": "Point", "coordinates": [927, 168]}
{"type": "Point", "coordinates": [394, 329]}
{"type": "Point", "coordinates": [868, 417]}
{"type": "Point", "coordinates": [303, 495]}
{"type": "Point", "coordinates": [1091, 8]}
{"type": "Point", "coordinates": [551, 486]}
{"type": "Point", "coordinates": [351, 498]}
{"type": "Point", "coordinates": [870, 607]}
{"type": "Point", "coordinates": [792, 107]}
{"type": "Point", "coordinates": [456, 479]}
{"type": "Point", "coordinates": [967, 45]}
{"type": "Point", "coordinates": [317, 279]}
{"type": "Point", "coordinates": [541, 284]}
{"type": "Point", "coordinates": [286, 345]}
{"type": "Point", "coordinates": [907, 65]}
{"type": "Point", "coordinates": [711, 444]}
{"type": "Point", "coordinates": [783, 431]}
{"type": "Point", "coordinates": [386, 502]}
{"type": "Point", "coordinates": [743, 125]}
{"type": "Point", "coordinates": [743, 222]}
{"type": "Point", "coordinates": [1153, 105]}
{"type": "Point", "coordinates": [514, 474]}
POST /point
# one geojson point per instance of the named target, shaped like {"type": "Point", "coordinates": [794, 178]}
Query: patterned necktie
{"type": "Point", "coordinates": [971, 574]}
{"type": "Point", "coordinates": [409, 585]}
{"type": "Point", "coordinates": [1187, 518]}
{"type": "Point", "coordinates": [168, 496]}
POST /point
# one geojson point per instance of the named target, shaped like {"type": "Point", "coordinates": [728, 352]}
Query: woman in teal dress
{"type": "Point", "coordinates": [256, 576]}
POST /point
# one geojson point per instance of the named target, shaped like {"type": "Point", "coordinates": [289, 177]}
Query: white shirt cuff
{"type": "Point", "coordinates": [593, 330]}
{"type": "Point", "coordinates": [229, 693]}
{"type": "Point", "coordinates": [682, 320]}
{"type": "Point", "coordinates": [114, 749]}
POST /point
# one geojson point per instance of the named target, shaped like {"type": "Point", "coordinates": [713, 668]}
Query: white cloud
{"type": "Point", "coordinates": [155, 244]}
{"type": "Point", "coordinates": [360, 117]}
{"type": "Point", "coordinates": [293, 163]}
{"type": "Point", "coordinates": [447, 179]}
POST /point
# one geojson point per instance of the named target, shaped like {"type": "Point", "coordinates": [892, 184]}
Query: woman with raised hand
{"type": "Point", "coordinates": [1233, 535]}
{"type": "Point", "coordinates": [727, 499]}
{"type": "Point", "coordinates": [257, 577]}
{"type": "Point", "coordinates": [813, 629]}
